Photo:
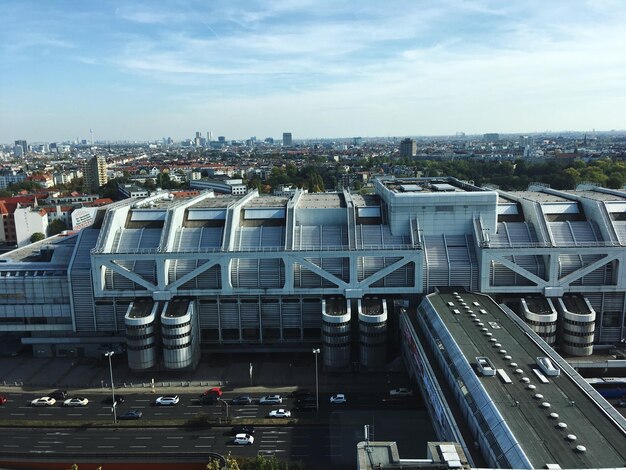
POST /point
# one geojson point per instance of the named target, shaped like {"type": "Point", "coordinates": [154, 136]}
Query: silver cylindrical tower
{"type": "Point", "coordinates": [373, 332]}
{"type": "Point", "coordinates": [176, 334]}
{"type": "Point", "coordinates": [541, 316]}
{"type": "Point", "coordinates": [578, 324]}
{"type": "Point", "coordinates": [141, 334]}
{"type": "Point", "coordinates": [336, 332]}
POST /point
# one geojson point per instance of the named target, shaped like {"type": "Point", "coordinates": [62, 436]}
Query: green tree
{"type": "Point", "coordinates": [37, 236]}
{"type": "Point", "coordinates": [56, 226]}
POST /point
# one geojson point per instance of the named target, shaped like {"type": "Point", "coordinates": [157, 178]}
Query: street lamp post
{"type": "Point", "coordinates": [316, 351]}
{"type": "Point", "coordinates": [109, 354]}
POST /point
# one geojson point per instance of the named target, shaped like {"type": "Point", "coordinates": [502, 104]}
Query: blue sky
{"type": "Point", "coordinates": [146, 70]}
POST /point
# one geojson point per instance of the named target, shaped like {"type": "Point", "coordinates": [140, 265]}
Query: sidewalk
{"type": "Point", "coordinates": [29, 374]}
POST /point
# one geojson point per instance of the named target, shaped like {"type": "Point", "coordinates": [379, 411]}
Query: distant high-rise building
{"type": "Point", "coordinates": [221, 139]}
{"type": "Point", "coordinates": [408, 148]}
{"type": "Point", "coordinates": [287, 139]}
{"type": "Point", "coordinates": [18, 151]}
{"type": "Point", "coordinates": [95, 173]}
{"type": "Point", "coordinates": [23, 144]}
{"type": "Point", "coordinates": [209, 137]}
{"type": "Point", "coordinates": [526, 140]}
{"type": "Point", "coordinates": [269, 140]}
{"type": "Point", "coordinates": [491, 137]}
{"type": "Point", "coordinates": [198, 134]}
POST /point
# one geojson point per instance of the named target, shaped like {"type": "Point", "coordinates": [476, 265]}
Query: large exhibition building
{"type": "Point", "coordinates": [167, 278]}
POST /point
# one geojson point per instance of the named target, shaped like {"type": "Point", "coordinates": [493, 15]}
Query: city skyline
{"type": "Point", "coordinates": [134, 71]}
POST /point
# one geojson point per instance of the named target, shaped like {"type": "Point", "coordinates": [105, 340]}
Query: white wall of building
{"type": "Point", "coordinates": [29, 220]}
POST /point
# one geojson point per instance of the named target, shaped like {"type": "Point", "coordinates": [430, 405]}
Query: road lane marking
{"type": "Point", "coordinates": [170, 447]}
{"type": "Point", "coordinates": [10, 445]}
{"type": "Point", "coordinates": [17, 414]}
{"type": "Point", "coordinates": [198, 446]}
{"type": "Point", "coordinates": [175, 437]}
{"type": "Point", "coordinates": [137, 447]}
{"type": "Point", "coordinates": [141, 437]}
{"type": "Point", "coordinates": [111, 438]}
{"type": "Point", "coordinates": [106, 447]}
{"type": "Point", "coordinates": [206, 437]}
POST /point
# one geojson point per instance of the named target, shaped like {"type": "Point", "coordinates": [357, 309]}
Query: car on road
{"type": "Point", "coordinates": [306, 407]}
{"type": "Point", "coordinates": [208, 399]}
{"type": "Point", "coordinates": [3, 400]}
{"type": "Point", "coordinates": [76, 401]}
{"type": "Point", "coordinates": [306, 400]}
{"type": "Point", "coordinates": [119, 399]}
{"type": "Point", "coordinates": [401, 392]}
{"type": "Point", "coordinates": [168, 400]}
{"type": "Point", "coordinates": [58, 394]}
{"type": "Point", "coordinates": [214, 392]}
{"type": "Point", "coordinates": [242, 429]}
{"type": "Point", "coordinates": [132, 414]}
{"type": "Point", "coordinates": [338, 399]}
{"type": "Point", "coordinates": [271, 400]}
{"type": "Point", "coordinates": [43, 401]}
{"type": "Point", "coordinates": [301, 393]}
{"type": "Point", "coordinates": [242, 400]}
{"type": "Point", "coordinates": [243, 439]}
{"type": "Point", "coordinates": [280, 413]}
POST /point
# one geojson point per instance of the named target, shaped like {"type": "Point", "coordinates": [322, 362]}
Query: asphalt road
{"type": "Point", "coordinates": [18, 407]}
{"type": "Point", "coordinates": [329, 445]}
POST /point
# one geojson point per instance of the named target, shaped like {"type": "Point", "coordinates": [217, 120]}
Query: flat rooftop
{"type": "Point", "coordinates": [366, 200]}
{"type": "Point", "coordinates": [217, 202]}
{"type": "Point", "coordinates": [427, 185]}
{"type": "Point", "coordinates": [321, 201]}
{"type": "Point", "coordinates": [599, 195]}
{"type": "Point", "coordinates": [141, 308]}
{"type": "Point", "coordinates": [538, 434]}
{"type": "Point", "coordinates": [538, 196]}
{"type": "Point", "coordinates": [266, 202]}
{"type": "Point", "coordinates": [177, 308]}
{"type": "Point", "coordinates": [63, 246]}
{"type": "Point", "coordinates": [538, 305]}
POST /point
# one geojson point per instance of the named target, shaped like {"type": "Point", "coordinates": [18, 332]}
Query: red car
{"type": "Point", "coordinates": [3, 400]}
{"type": "Point", "coordinates": [214, 392]}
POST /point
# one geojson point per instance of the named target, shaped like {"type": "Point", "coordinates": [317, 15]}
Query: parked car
{"type": "Point", "coordinates": [242, 429]}
{"type": "Point", "coordinates": [281, 413]}
{"type": "Point", "coordinates": [271, 400]}
{"type": "Point", "coordinates": [58, 394]}
{"type": "Point", "coordinates": [241, 400]}
{"type": "Point", "coordinates": [76, 401]}
{"type": "Point", "coordinates": [109, 399]}
{"type": "Point", "coordinates": [215, 392]}
{"type": "Point", "coordinates": [43, 401]}
{"type": "Point", "coordinates": [401, 392]}
{"type": "Point", "coordinates": [3, 400]}
{"type": "Point", "coordinates": [243, 439]}
{"type": "Point", "coordinates": [338, 399]}
{"type": "Point", "coordinates": [169, 400]}
{"type": "Point", "coordinates": [132, 414]}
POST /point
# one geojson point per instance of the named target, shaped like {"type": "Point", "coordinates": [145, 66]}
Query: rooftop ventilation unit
{"type": "Point", "coordinates": [548, 368]}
